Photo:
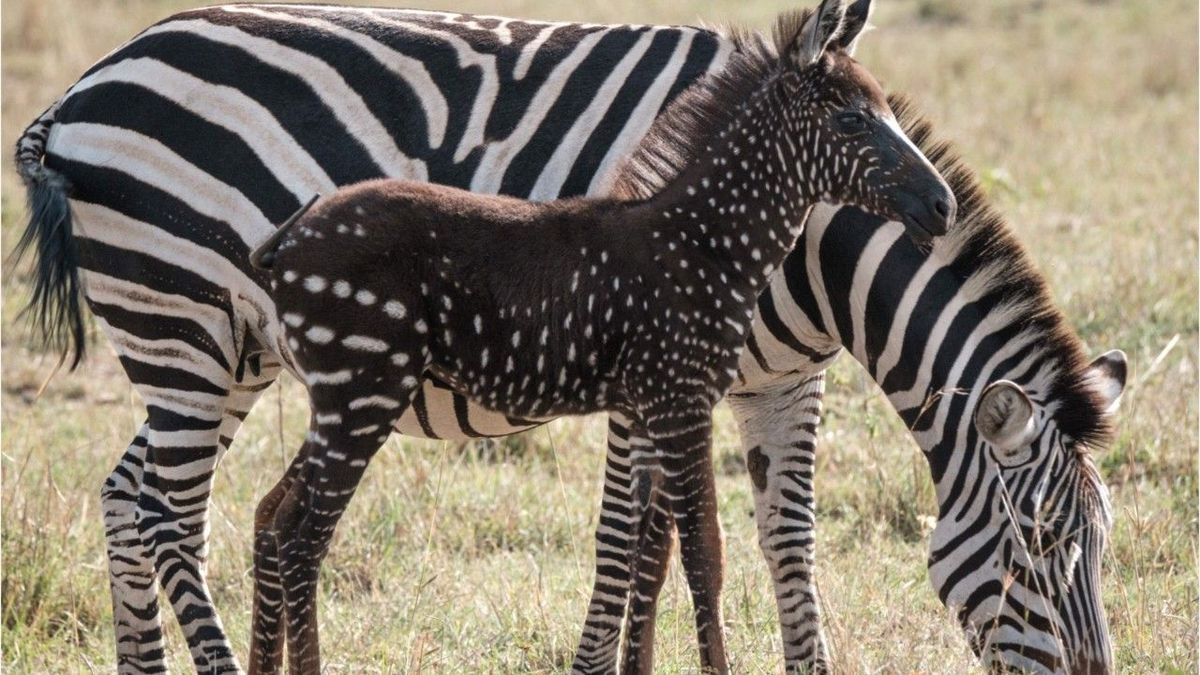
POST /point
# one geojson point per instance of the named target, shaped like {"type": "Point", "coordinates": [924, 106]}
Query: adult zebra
{"type": "Point", "coordinates": [186, 143]}
{"type": "Point", "coordinates": [992, 384]}
{"type": "Point", "coordinates": [183, 148]}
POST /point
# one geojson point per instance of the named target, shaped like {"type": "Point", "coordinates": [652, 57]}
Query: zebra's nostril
{"type": "Point", "coordinates": [942, 208]}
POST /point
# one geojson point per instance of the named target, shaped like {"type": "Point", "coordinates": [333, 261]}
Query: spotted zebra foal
{"type": "Point", "coordinates": [574, 306]}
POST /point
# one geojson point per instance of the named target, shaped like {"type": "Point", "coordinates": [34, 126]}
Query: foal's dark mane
{"type": "Point", "coordinates": [679, 135]}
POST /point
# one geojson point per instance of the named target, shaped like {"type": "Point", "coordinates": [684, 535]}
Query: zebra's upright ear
{"type": "Point", "coordinates": [817, 32]}
{"type": "Point", "coordinates": [858, 17]}
{"type": "Point", "coordinates": [1005, 419]}
{"type": "Point", "coordinates": [1107, 376]}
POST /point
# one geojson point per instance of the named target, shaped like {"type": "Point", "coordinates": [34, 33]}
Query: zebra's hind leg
{"type": "Point", "coordinates": [600, 639]}
{"type": "Point", "coordinates": [172, 518]}
{"type": "Point", "coordinates": [778, 426]}
{"type": "Point", "coordinates": [131, 576]}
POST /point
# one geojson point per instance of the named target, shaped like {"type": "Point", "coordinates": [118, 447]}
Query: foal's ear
{"type": "Point", "coordinates": [817, 32]}
{"type": "Point", "coordinates": [1106, 375]}
{"type": "Point", "coordinates": [858, 15]}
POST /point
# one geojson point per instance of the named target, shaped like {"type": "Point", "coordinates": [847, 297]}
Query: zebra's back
{"type": "Point", "coordinates": [188, 144]}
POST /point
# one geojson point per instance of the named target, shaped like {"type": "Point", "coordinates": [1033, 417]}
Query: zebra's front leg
{"type": "Point", "coordinates": [681, 431]}
{"type": "Point", "coordinates": [778, 425]}
{"type": "Point", "coordinates": [134, 584]}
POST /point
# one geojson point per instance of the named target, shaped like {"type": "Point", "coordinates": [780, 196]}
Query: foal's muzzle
{"type": "Point", "coordinates": [929, 214]}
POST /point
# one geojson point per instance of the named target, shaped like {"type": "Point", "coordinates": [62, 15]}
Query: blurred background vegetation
{"type": "Point", "coordinates": [1081, 118]}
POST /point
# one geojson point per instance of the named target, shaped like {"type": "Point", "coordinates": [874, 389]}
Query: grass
{"type": "Point", "coordinates": [1081, 118]}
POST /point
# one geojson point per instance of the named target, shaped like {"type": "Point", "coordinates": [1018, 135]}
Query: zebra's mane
{"type": "Point", "coordinates": [679, 135]}
{"type": "Point", "coordinates": [983, 237]}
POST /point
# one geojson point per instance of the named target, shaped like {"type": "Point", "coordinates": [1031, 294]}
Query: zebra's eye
{"type": "Point", "coordinates": [853, 122]}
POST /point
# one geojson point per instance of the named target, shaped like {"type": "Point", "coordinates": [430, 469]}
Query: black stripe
{"type": "Point", "coordinates": [129, 196]}
{"type": "Point", "coordinates": [632, 90]}
{"type": "Point", "coordinates": [160, 327]}
{"type": "Point", "coordinates": [297, 107]}
{"type": "Point", "coordinates": [212, 149]}
{"type": "Point", "coordinates": [464, 420]}
{"type": "Point", "coordinates": [168, 377]}
{"type": "Point", "coordinates": [775, 326]}
{"type": "Point", "coordinates": [841, 249]}
{"type": "Point", "coordinates": [421, 409]}
{"type": "Point", "coordinates": [577, 93]}
{"type": "Point", "coordinates": [700, 56]}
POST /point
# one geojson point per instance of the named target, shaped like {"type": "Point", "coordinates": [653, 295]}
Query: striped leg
{"type": "Point", "coordinates": [266, 638]}
{"type": "Point", "coordinates": [650, 556]}
{"type": "Point", "coordinates": [131, 576]}
{"type": "Point", "coordinates": [779, 426]}
{"type": "Point", "coordinates": [132, 555]}
{"type": "Point", "coordinates": [597, 651]}
{"type": "Point", "coordinates": [682, 434]}
{"type": "Point", "coordinates": [172, 517]}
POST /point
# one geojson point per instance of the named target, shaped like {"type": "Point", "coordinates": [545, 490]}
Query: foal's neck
{"type": "Point", "coordinates": [733, 215]}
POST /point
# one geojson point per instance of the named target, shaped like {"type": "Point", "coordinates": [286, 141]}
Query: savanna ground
{"type": "Point", "coordinates": [1081, 119]}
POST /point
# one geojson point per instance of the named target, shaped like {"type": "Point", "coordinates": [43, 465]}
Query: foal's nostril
{"type": "Point", "coordinates": [943, 208]}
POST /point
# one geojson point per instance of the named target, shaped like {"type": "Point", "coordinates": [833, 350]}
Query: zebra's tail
{"type": "Point", "coordinates": [55, 306]}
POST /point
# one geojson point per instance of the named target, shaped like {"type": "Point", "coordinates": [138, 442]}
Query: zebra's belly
{"type": "Point", "coordinates": [439, 412]}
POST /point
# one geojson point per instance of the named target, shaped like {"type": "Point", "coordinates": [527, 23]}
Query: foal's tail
{"type": "Point", "coordinates": [54, 306]}
{"type": "Point", "coordinates": [263, 257]}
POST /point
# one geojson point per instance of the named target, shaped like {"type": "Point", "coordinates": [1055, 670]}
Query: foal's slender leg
{"type": "Point", "coordinates": [649, 560]}
{"type": "Point", "coordinates": [266, 638]}
{"type": "Point", "coordinates": [778, 426]}
{"type": "Point", "coordinates": [682, 433]}
{"type": "Point", "coordinates": [597, 651]}
{"type": "Point", "coordinates": [346, 432]}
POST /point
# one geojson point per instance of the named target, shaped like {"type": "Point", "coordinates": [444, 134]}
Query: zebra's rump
{"type": "Point", "coordinates": [186, 146]}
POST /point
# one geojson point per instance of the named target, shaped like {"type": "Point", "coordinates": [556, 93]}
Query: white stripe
{"type": "Point", "coordinates": [151, 162]}
{"type": "Point", "coordinates": [489, 85]}
{"type": "Point", "coordinates": [172, 353]}
{"type": "Point", "coordinates": [325, 82]}
{"type": "Point", "coordinates": [497, 157]}
{"type": "Point", "coordinates": [413, 72]}
{"type": "Point", "coordinates": [865, 270]}
{"type": "Point", "coordinates": [647, 109]}
{"type": "Point", "coordinates": [133, 297]}
{"type": "Point", "coordinates": [227, 107]}
{"type": "Point", "coordinates": [376, 401]}
{"type": "Point", "coordinates": [556, 170]}
{"type": "Point", "coordinates": [363, 343]}
{"type": "Point", "coordinates": [335, 377]}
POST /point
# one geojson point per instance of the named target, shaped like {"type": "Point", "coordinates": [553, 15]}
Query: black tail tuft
{"type": "Point", "coordinates": [54, 307]}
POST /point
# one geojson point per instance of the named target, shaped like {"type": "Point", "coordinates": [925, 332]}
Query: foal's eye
{"type": "Point", "coordinates": [852, 122]}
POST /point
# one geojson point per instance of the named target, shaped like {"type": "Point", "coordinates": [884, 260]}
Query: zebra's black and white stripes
{"type": "Point", "coordinates": [194, 138]}
{"type": "Point", "coordinates": [184, 146]}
